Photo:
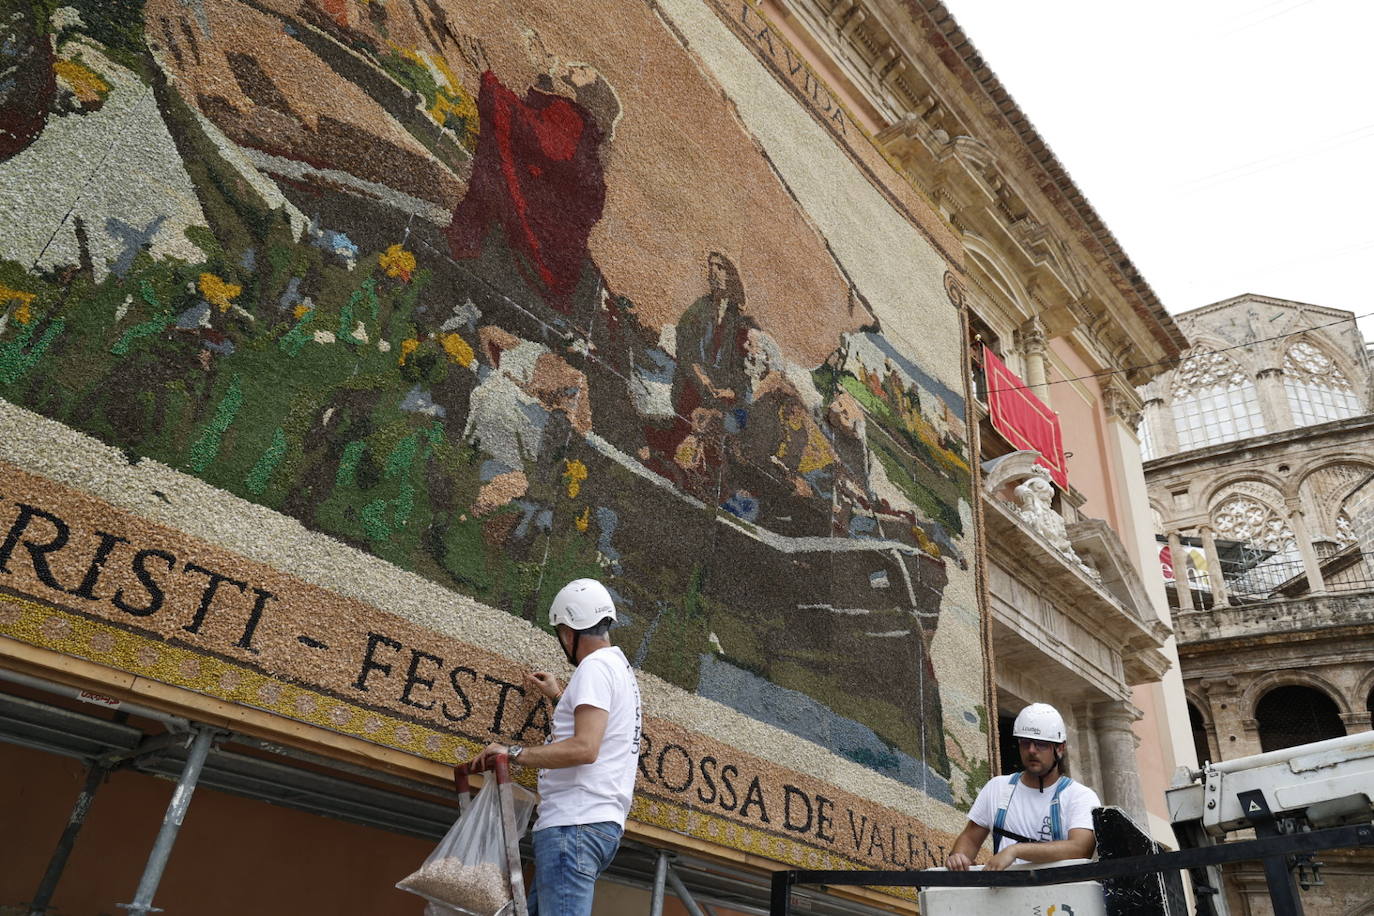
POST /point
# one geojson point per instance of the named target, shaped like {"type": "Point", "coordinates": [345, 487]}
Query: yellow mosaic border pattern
{"type": "Point", "coordinates": [104, 644]}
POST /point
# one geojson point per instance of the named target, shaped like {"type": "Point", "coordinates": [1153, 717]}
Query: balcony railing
{"type": "Point", "coordinates": [1253, 574]}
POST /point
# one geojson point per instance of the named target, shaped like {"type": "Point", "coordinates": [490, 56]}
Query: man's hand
{"type": "Point", "coordinates": [486, 755]}
{"type": "Point", "coordinates": [545, 683]}
{"type": "Point", "coordinates": [958, 862]}
{"type": "Point", "coordinates": [1004, 858]}
{"type": "Point", "coordinates": [966, 846]}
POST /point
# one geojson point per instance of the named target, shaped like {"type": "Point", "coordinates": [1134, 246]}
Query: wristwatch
{"type": "Point", "coordinates": [514, 751]}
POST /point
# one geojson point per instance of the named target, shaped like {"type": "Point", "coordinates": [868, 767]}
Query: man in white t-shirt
{"type": "Point", "coordinates": [587, 766]}
{"type": "Point", "coordinates": [1037, 815]}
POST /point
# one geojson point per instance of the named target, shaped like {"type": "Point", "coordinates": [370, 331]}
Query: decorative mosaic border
{"type": "Point", "coordinates": [106, 644]}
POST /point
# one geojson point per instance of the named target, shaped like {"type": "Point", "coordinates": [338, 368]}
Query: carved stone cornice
{"type": "Point", "coordinates": [959, 135]}
{"type": "Point", "coordinates": [1031, 339]}
{"type": "Point", "coordinates": [1122, 404]}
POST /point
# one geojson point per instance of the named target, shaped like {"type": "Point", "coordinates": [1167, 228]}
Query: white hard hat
{"type": "Point", "coordinates": [1040, 721]}
{"type": "Point", "coordinates": [580, 604]}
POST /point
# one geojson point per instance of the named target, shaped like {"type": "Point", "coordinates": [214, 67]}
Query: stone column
{"type": "Point", "coordinates": [1180, 561]}
{"type": "Point", "coordinates": [1160, 417]}
{"type": "Point", "coordinates": [1214, 573]}
{"type": "Point", "coordinates": [1252, 736]}
{"type": "Point", "coordinates": [1316, 585]}
{"type": "Point", "coordinates": [1235, 731]}
{"type": "Point", "coordinates": [1116, 745]}
{"type": "Point", "coordinates": [1356, 722]}
{"type": "Point", "coordinates": [1032, 344]}
{"type": "Point", "coordinates": [1273, 400]}
{"type": "Point", "coordinates": [1083, 763]}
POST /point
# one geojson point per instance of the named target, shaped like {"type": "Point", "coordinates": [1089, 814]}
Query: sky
{"type": "Point", "coordinates": [1227, 144]}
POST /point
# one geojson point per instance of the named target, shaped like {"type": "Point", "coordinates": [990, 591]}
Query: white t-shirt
{"type": "Point", "coordinates": [602, 790]}
{"type": "Point", "coordinates": [1028, 813]}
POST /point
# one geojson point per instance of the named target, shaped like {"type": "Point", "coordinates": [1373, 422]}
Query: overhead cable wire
{"type": "Point", "coordinates": [1180, 359]}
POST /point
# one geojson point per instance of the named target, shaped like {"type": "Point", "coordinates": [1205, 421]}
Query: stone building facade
{"type": "Point", "coordinates": [378, 320]}
{"type": "Point", "coordinates": [1049, 292]}
{"type": "Point", "coordinates": [1260, 481]}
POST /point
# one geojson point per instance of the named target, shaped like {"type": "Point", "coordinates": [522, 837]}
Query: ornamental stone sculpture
{"type": "Point", "coordinates": [1035, 495]}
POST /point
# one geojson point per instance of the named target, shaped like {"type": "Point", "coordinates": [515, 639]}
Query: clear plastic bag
{"type": "Point", "coordinates": [468, 872]}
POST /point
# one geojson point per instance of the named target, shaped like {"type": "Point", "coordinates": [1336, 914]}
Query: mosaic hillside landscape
{"type": "Point", "coordinates": [506, 294]}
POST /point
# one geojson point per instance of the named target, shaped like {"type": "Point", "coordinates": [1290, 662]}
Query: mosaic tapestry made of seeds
{"type": "Point", "coordinates": [509, 293]}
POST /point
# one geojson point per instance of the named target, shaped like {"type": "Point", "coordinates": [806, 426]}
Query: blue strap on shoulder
{"type": "Point", "coordinates": [999, 823]}
{"type": "Point", "coordinates": [1056, 821]}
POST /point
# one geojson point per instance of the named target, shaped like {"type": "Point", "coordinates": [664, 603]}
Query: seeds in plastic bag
{"type": "Point", "coordinates": [480, 888]}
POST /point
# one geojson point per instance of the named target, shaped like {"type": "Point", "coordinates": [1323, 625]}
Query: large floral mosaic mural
{"type": "Point", "coordinates": [505, 294]}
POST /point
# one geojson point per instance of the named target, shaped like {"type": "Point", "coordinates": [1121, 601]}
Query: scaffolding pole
{"type": "Point", "coordinates": [171, 823]}
{"type": "Point", "coordinates": [682, 893]}
{"type": "Point", "coordinates": [660, 878]}
{"type": "Point", "coordinates": [95, 775]}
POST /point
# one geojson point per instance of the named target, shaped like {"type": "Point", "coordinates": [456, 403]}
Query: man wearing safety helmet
{"type": "Point", "coordinates": [587, 765]}
{"type": "Point", "coordinates": [1037, 815]}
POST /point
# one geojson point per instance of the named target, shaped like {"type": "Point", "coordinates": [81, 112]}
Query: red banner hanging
{"type": "Point", "coordinates": [1025, 420]}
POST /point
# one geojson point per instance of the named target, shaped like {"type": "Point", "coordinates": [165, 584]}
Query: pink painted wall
{"type": "Point", "coordinates": [1090, 470]}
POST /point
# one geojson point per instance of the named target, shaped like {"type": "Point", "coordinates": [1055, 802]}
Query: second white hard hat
{"type": "Point", "coordinates": [580, 604]}
{"type": "Point", "coordinates": [1040, 721]}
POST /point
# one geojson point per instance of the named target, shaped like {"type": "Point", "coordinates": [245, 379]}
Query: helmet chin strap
{"type": "Point", "coordinates": [1054, 766]}
{"type": "Point", "coordinates": [572, 653]}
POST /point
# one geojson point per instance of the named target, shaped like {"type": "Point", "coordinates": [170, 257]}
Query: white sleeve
{"type": "Point", "coordinates": [984, 810]}
{"type": "Point", "coordinates": [1078, 807]}
{"type": "Point", "coordinates": [592, 685]}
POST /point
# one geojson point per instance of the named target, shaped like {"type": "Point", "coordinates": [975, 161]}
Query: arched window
{"type": "Point", "coordinates": [1268, 556]}
{"type": "Point", "coordinates": [1318, 390]}
{"type": "Point", "coordinates": [1289, 716]}
{"type": "Point", "coordinates": [1213, 400]}
{"type": "Point", "coordinates": [1199, 727]}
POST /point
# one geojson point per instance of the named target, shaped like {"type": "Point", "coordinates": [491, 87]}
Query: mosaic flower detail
{"type": "Point", "coordinates": [301, 311]}
{"type": "Point", "coordinates": [398, 263]}
{"type": "Point", "coordinates": [23, 312]}
{"type": "Point", "coordinates": [339, 245]}
{"type": "Point", "coordinates": [924, 542]}
{"type": "Point", "coordinates": [574, 473]}
{"type": "Point", "coordinates": [408, 347]}
{"type": "Point", "coordinates": [583, 520]}
{"type": "Point", "coordinates": [458, 350]}
{"type": "Point", "coordinates": [218, 292]}
{"type": "Point", "coordinates": [89, 89]}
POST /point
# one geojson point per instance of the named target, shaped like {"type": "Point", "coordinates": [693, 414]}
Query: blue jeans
{"type": "Point", "coordinates": [567, 862]}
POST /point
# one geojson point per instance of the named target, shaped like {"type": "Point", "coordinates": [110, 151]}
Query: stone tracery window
{"type": "Point", "coordinates": [1345, 531]}
{"type": "Point", "coordinates": [1241, 518]}
{"type": "Point", "coordinates": [1318, 390]}
{"type": "Point", "coordinates": [1214, 400]}
{"type": "Point", "coordinates": [1269, 555]}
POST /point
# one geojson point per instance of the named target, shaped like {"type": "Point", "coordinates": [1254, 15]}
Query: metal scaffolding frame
{"type": "Point", "coordinates": [197, 755]}
{"type": "Point", "coordinates": [1273, 850]}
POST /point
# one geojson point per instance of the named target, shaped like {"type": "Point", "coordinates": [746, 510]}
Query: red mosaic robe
{"type": "Point", "coordinates": [536, 172]}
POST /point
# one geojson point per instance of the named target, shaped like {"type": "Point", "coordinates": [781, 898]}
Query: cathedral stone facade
{"type": "Point", "coordinates": [1261, 481]}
